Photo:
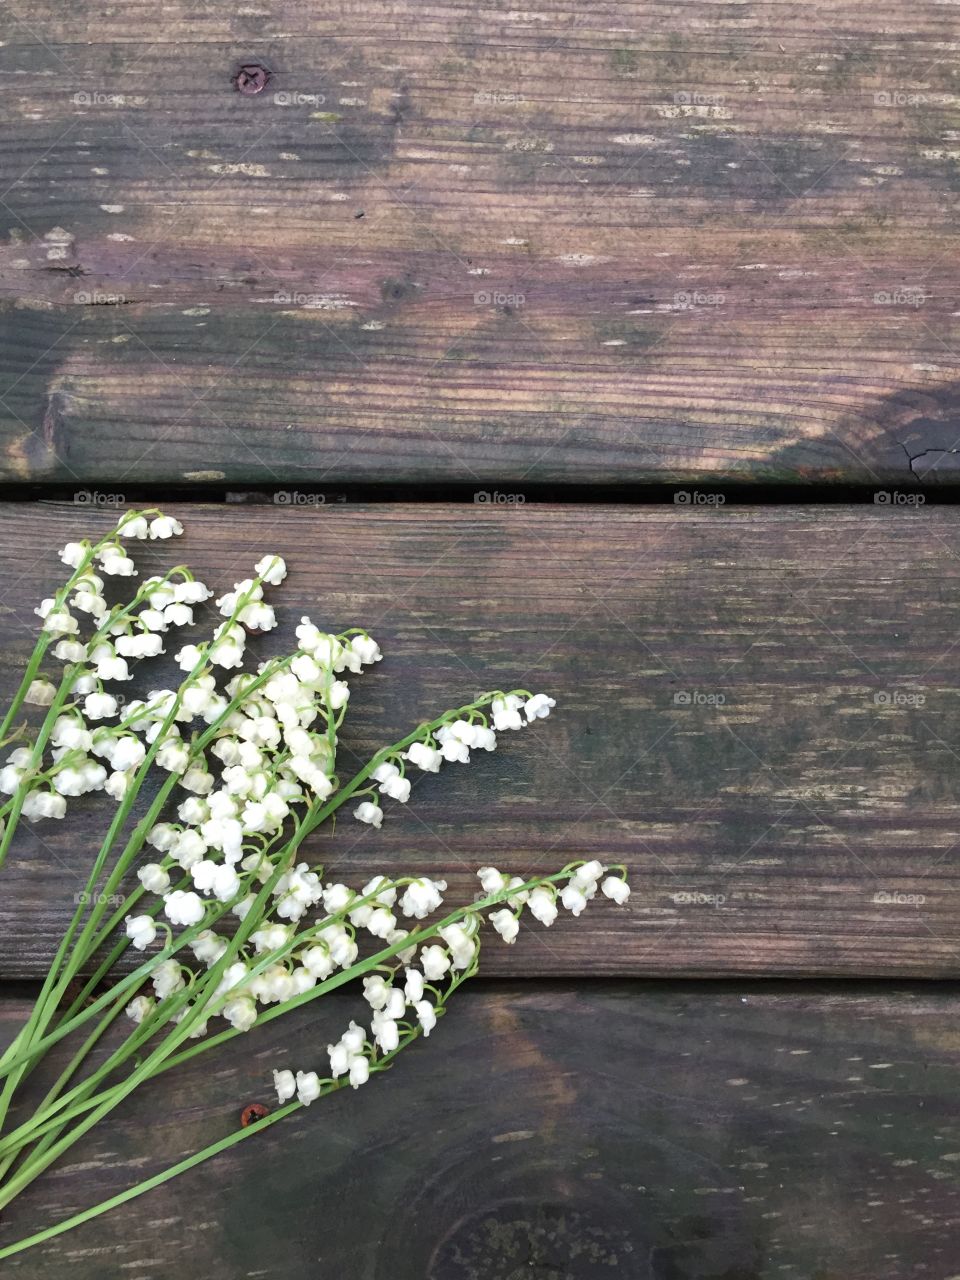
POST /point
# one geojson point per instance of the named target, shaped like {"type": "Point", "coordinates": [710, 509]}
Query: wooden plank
{"type": "Point", "coordinates": [639, 243]}
{"type": "Point", "coordinates": [643, 1131]}
{"type": "Point", "coordinates": [758, 712]}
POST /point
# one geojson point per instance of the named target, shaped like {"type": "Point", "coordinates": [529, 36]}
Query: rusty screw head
{"type": "Point", "coordinates": [252, 1113]}
{"type": "Point", "coordinates": [251, 78]}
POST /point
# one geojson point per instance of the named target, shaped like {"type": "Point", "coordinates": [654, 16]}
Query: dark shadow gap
{"type": "Point", "coordinates": [508, 495]}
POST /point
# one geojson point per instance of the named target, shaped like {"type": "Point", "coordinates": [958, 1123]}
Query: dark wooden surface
{"type": "Point", "coordinates": [629, 242]}
{"type": "Point", "coordinates": [805, 824]}
{"type": "Point", "coordinates": [487, 249]}
{"type": "Point", "coordinates": [644, 1132]}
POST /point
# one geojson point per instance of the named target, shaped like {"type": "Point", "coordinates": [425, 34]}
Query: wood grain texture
{"type": "Point", "coordinates": [638, 242]}
{"type": "Point", "coordinates": [652, 1133]}
{"type": "Point", "coordinates": [758, 713]}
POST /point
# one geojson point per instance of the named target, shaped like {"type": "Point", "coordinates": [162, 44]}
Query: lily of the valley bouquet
{"type": "Point", "coordinates": [230, 925]}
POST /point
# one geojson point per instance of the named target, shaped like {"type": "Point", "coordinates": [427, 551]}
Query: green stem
{"type": "Point", "coordinates": [173, 1041]}
{"type": "Point", "coordinates": [214, 1149]}
{"type": "Point", "coordinates": [181, 1031]}
{"type": "Point", "coordinates": [53, 989]}
{"type": "Point", "coordinates": [310, 822]}
{"type": "Point", "coordinates": [40, 1015]}
{"type": "Point", "coordinates": [33, 666]}
{"type": "Point", "coordinates": [64, 1108]}
{"type": "Point", "coordinates": [415, 938]}
{"type": "Point", "coordinates": [13, 1148]}
{"type": "Point", "coordinates": [66, 684]}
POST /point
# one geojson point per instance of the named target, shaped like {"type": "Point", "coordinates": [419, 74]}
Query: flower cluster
{"type": "Point", "coordinates": [272, 748]}
{"type": "Point", "coordinates": [232, 923]}
{"type": "Point", "coordinates": [451, 743]}
{"type": "Point", "coordinates": [118, 636]}
{"type": "Point", "coordinates": [399, 994]}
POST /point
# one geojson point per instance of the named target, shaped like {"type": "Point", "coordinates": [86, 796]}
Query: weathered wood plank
{"type": "Point", "coordinates": [652, 1132]}
{"type": "Point", "coordinates": [758, 712]}
{"type": "Point", "coordinates": [644, 242]}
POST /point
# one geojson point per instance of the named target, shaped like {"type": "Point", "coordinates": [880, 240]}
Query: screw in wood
{"type": "Point", "coordinates": [252, 1113]}
{"type": "Point", "coordinates": [251, 78]}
